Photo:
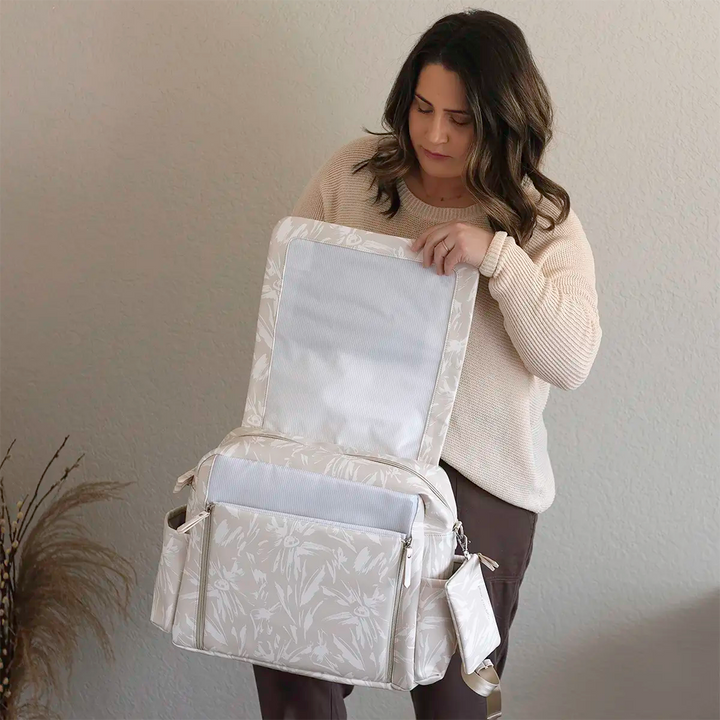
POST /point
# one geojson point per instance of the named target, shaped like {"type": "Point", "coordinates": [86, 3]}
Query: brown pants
{"type": "Point", "coordinates": [498, 529]}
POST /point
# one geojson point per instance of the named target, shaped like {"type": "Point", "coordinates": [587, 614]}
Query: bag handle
{"type": "Point", "coordinates": [485, 681]}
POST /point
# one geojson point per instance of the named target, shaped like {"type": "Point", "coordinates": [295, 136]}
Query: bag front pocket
{"type": "Point", "coordinates": [170, 569]}
{"type": "Point", "coordinates": [301, 593]}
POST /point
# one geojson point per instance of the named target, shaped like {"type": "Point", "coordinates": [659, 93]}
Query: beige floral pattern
{"type": "Point", "coordinates": [274, 562]}
{"type": "Point", "coordinates": [309, 596]}
{"type": "Point", "coordinates": [293, 451]}
{"type": "Point", "coordinates": [170, 568]}
{"type": "Point", "coordinates": [313, 596]}
{"type": "Point", "coordinates": [327, 599]}
{"type": "Point", "coordinates": [183, 627]}
{"type": "Point", "coordinates": [472, 613]}
{"type": "Point", "coordinates": [244, 603]}
{"type": "Point", "coordinates": [433, 553]}
{"type": "Point", "coordinates": [439, 549]}
{"type": "Point", "coordinates": [436, 640]}
{"type": "Point", "coordinates": [290, 228]}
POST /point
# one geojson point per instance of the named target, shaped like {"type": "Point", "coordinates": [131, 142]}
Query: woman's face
{"type": "Point", "coordinates": [434, 127]}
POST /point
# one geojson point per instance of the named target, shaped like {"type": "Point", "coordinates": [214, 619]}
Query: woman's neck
{"type": "Point", "coordinates": [441, 198]}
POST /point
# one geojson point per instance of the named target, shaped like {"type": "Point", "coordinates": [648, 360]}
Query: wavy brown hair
{"type": "Point", "coordinates": [512, 117]}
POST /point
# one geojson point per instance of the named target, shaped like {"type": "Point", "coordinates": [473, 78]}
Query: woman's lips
{"type": "Point", "coordinates": [434, 156]}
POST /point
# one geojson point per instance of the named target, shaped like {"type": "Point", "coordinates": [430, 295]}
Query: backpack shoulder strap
{"type": "Point", "coordinates": [485, 681]}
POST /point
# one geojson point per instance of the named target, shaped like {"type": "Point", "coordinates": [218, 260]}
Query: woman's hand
{"type": "Point", "coordinates": [451, 243]}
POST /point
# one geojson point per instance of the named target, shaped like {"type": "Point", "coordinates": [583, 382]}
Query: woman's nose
{"type": "Point", "coordinates": [437, 134]}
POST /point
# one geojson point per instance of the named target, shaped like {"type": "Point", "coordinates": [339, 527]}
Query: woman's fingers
{"type": "Point", "coordinates": [433, 249]}
{"type": "Point", "coordinates": [439, 256]}
{"type": "Point", "coordinates": [451, 260]}
{"type": "Point", "coordinates": [427, 241]}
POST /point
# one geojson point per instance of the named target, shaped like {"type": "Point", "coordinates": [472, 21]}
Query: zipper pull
{"type": "Point", "coordinates": [192, 521]}
{"type": "Point", "coordinates": [488, 562]}
{"type": "Point", "coordinates": [408, 555]}
{"type": "Point", "coordinates": [183, 480]}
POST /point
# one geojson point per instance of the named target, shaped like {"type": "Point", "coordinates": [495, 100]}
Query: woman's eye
{"type": "Point", "coordinates": [425, 112]}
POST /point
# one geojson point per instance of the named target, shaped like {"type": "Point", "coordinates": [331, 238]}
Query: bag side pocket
{"type": "Point", "coordinates": [170, 569]}
{"type": "Point", "coordinates": [436, 640]}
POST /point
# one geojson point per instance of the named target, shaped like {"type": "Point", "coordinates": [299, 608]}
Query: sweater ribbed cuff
{"type": "Point", "coordinates": [489, 264]}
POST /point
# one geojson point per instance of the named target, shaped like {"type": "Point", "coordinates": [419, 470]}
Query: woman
{"type": "Point", "coordinates": [471, 91]}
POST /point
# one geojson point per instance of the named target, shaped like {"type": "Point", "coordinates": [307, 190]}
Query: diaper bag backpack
{"type": "Point", "coordinates": [320, 536]}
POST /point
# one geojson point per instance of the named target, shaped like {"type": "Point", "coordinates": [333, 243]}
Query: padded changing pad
{"type": "Point", "coordinates": [353, 335]}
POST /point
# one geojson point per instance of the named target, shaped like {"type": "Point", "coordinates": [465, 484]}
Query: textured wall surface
{"type": "Point", "coordinates": [148, 148]}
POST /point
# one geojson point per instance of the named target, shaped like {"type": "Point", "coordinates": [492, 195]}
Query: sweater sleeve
{"type": "Point", "coordinates": [548, 300]}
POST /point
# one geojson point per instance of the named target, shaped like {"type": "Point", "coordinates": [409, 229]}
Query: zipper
{"type": "Point", "coordinates": [332, 523]}
{"type": "Point", "coordinates": [202, 589]}
{"type": "Point", "coordinates": [407, 540]}
{"type": "Point", "coordinates": [488, 562]}
{"type": "Point", "coordinates": [188, 477]}
{"type": "Point", "coordinates": [262, 433]}
{"type": "Point", "coordinates": [192, 521]}
{"type": "Point", "coordinates": [404, 576]}
{"type": "Point", "coordinates": [408, 564]}
{"type": "Point", "coordinates": [405, 571]}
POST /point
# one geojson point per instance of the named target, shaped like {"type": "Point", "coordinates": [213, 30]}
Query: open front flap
{"type": "Point", "coordinates": [357, 343]}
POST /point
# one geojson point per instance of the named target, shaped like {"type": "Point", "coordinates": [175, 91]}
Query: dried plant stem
{"type": "Point", "coordinates": [55, 582]}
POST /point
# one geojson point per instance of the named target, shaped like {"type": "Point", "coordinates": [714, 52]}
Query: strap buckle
{"type": "Point", "coordinates": [461, 538]}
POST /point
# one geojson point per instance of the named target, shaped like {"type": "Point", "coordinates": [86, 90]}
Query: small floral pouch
{"type": "Point", "coordinates": [477, 631]}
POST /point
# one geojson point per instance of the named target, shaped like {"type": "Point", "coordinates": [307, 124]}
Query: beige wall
{"type": "Point", "coordinates": [149, 147]}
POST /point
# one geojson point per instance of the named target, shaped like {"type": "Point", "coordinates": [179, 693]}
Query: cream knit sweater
{"type": "Point", "coordinates": [535, 324]}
